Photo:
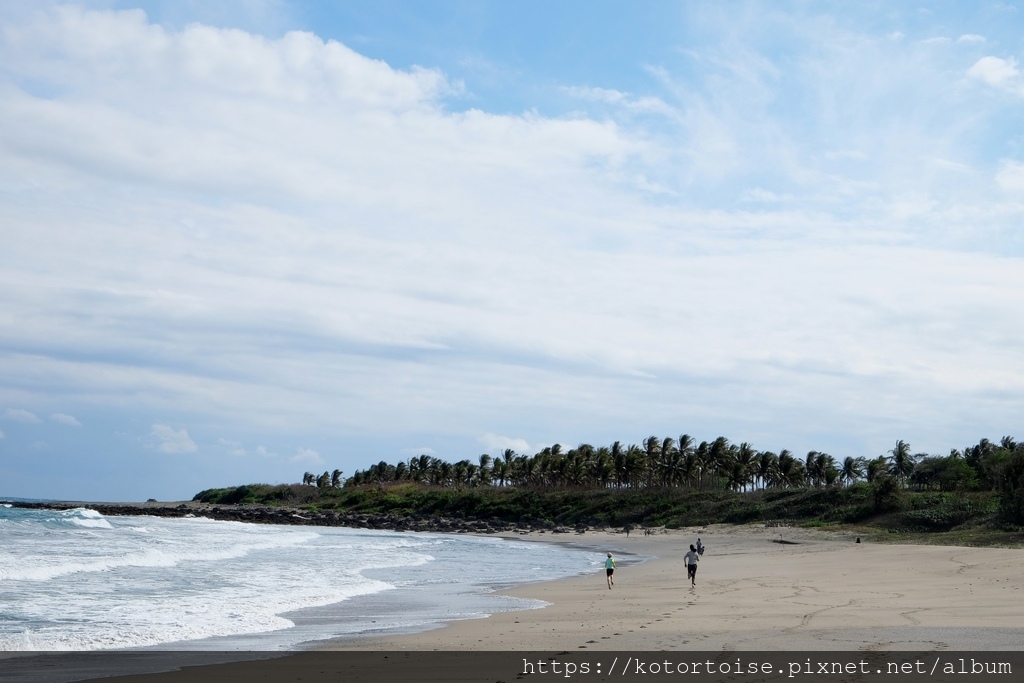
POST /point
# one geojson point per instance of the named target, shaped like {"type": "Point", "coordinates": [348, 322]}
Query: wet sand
{"type": "Point", "coordinates": [758, 590]}
{"type": "Point", "coordinates": [813, 591]}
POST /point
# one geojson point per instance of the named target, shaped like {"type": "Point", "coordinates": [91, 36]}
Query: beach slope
{"type": "Point", "coordinates": [758, 589]}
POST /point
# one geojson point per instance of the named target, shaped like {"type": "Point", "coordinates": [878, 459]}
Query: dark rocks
{"type": "Point", "coordinates": [264, 514]}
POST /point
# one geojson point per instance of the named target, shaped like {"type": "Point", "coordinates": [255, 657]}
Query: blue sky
{"type": "Point", "coordinates": [244, 240]}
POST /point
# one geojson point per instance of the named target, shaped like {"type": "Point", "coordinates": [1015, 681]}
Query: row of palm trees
{"type": "Point", "coordinates": [325, 480]}
{"type": "Point", "coordinates": [676, 463]}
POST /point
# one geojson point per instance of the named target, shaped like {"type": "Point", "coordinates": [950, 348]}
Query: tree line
{"type": "Point", "coordinates": [326, 480]}
{"type": "Point", "coordinates": [667, 462]}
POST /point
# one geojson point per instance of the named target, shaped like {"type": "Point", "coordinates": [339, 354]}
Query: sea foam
{"type": "Point", "coordinates": [77, 580]}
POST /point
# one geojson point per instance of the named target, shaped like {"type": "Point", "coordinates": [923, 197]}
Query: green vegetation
{"type": "Point", "coordinates": [977, 493]}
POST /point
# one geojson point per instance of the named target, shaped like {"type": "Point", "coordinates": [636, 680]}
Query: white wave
{"type": "Point", "coordinates": [47, 567]}
{"type": "Point", "coordinates": [138, 621]}
{"type": "Point", "coordinates": [86, 518]}
{"type": "Point", "coordinates": [153, 581]}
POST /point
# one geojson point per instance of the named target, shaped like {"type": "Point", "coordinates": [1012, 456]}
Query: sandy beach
{"type": "Point", "coordinates": [759, 590]}
{"type": "Point", "coordinates": [815, 591]}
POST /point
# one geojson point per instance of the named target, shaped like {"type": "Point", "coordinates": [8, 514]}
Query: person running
{"type": "Point", "coordinates": [700, 547]}
{"type": "Point", "coordinates": [609, 569]}
{"type": "Point", "coordinates": [692, 558]}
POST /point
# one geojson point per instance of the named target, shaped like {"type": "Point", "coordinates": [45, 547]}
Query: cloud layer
{"type": "Point", "coordinates": [281, 240]}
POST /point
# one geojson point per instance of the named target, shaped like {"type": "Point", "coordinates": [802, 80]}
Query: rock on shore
{"type": "Point", "coordinates": [263, 514]}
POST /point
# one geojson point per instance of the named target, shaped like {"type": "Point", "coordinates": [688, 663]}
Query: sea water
{"type": "Point", "coordinates": [76, 580]}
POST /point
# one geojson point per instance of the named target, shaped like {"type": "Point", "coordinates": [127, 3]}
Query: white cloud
{"type": "Point", "coordinates": [61, 418]}
{"type": "Point", "coordinates": [759, 194]}
{"type": "Point", "coordinates": [972, 38]}
{"type": "Point", "coordinates": [422, 450]}
{"type": "Point", "coordinates": [847, 154]}
{"type": "Point", "coordinates": [495, 444]}
{"type": "Point", "coordinates": [640, 105]}
{"type": "Point", "coordinates": [1010, 176]}
{"type": "Point", "coordinates": [234, 448]}
{"type": "Point", "coordinates": [314, 242]}
{"type": "Point", "coordinates": [999, 73]}
{"type": "Point", "coordinates": [170, 440]}
{"type": "Point", "coordinates": [85, 49]}
{"type": "Point", "coordinates": [307, 455]}
{"type": "Point", "coordinates": [950, 165]}
{"type": "Point", "coordinates": [20, 415]}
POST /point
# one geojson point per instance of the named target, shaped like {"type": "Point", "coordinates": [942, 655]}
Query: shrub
{"type": "Point", "coordinates": [887, 494]}
{"type": "Point", "coordinates": [1011, 489]}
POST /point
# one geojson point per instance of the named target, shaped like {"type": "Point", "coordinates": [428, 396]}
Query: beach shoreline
{"type": "Point", "coordinates": [758, 588]}
{"type": "Point", "coordinates": [815, 590]}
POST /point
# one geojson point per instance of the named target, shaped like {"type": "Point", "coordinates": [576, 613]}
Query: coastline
{"type": "Point", "coordinates": [814, 591]}
{"type": "Point", "coordinates": [778, 589]}
{"type": "Point", "coordinates": [759, 588]}
{"type": "Point", "coordinates": [291, 516]}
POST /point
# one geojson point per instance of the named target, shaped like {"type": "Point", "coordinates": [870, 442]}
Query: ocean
{"type": "Point", "coordinates": [78, 581]}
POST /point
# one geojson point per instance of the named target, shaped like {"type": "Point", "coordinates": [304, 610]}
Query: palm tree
{"type": "Point", "coordinates": [875, 469]}
{"type": "Point", "coordinates": [308, 478]}
{"type": "Point", "coordinates": [634, 466]}
{"type": "Point", "coordinates": [674, 469]}
{"type": "Point", "coordinates": [852, 470]}
{"type": "Point", "coordinates": [744, 461]}
{"type": "Point", "coordinates": [901, 464]}
{"type": "Point", "coordinates": [792, 472]}
{"type": "Point", "coordinates": [767, 468]}
{"type": "Point", "coordinates": [826, 465]}
{"type": "Point", "coordinates": [652, 448]}
{"type": "Point", "coordinates": [821, 469]}
{"type": "Point", "coordinates": [720, 457]}
{"type": "Point", "coordinates": [445, 472]}
{"type": "Point", "coordinates": [336, 479]}
{"type": "Point", "coordinates": [576, 469]}
{"type": "Point", "coordinates": [810, 464]}
{"type": "Point", "coordinates": [703, 462]}
{"type": "Point", "coordinates": [691, 470]}
{"type": "Point", "coordinates": [483, 475]}
{"type": "Point", "coordinates": [665, 454]}
{"type": "Point", "coordinates": [601, 468]}
{"type": "Point", "coordinates": [422, 471]}
{"type": "Point", "coordinates": [618, 456]}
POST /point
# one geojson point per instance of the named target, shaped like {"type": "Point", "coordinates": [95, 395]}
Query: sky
{"type": "Point", "coordinates": [244, 240]}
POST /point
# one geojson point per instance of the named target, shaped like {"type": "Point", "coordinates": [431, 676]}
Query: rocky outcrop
{"type": "Point", "coordinates": [263, 514]}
